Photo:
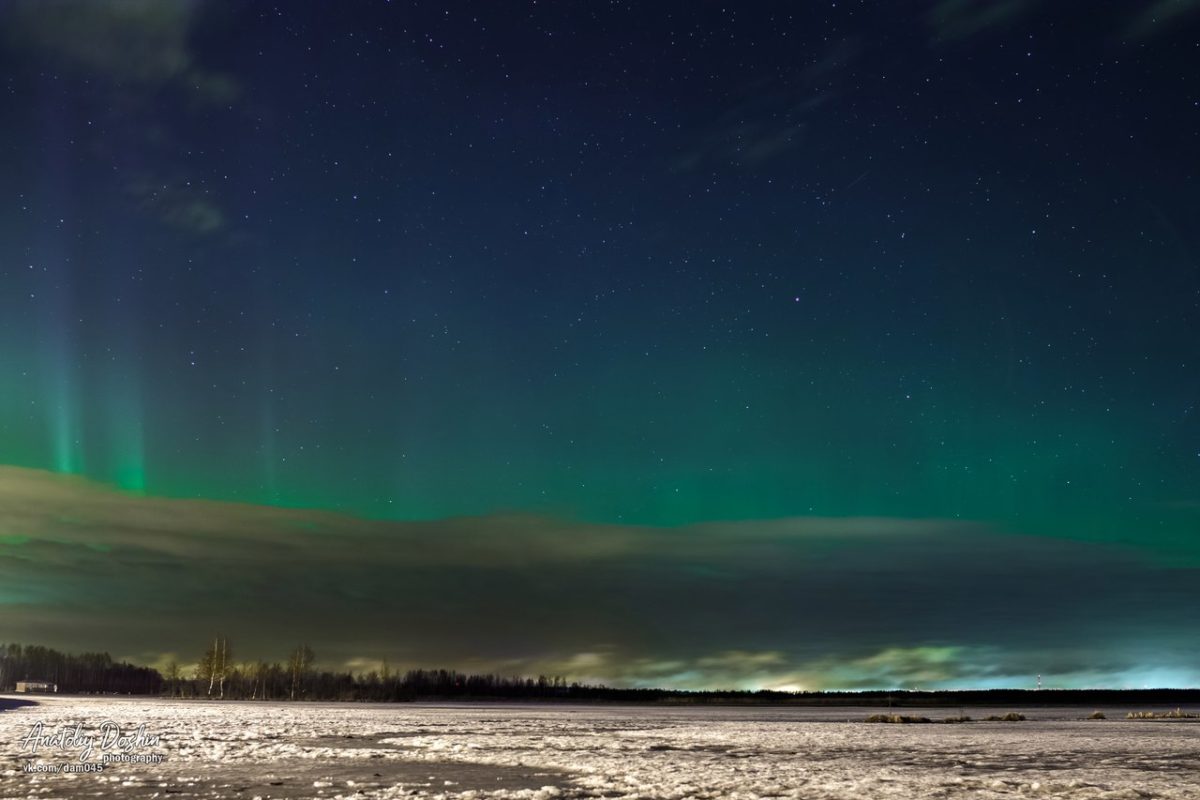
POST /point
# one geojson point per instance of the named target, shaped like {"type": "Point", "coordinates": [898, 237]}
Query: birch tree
{"type": "Point", "coordinates": [299, 664]}
{"type": "Point", "coordinates": [215, 665]}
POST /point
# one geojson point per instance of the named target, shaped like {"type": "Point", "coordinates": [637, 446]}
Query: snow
{"type": "Point", "coordinates": [273, 750]}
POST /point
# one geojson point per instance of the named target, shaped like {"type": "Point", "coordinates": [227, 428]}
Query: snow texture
{"type": "Point", "coordinates": [272, 750]}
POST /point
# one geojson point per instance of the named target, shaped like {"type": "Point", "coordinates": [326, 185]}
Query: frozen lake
{"type": "Point", "coordinates": [272, 750]}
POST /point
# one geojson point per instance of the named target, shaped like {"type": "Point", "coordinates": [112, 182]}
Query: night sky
{"type": "Point", "coordinates": [835, 344]}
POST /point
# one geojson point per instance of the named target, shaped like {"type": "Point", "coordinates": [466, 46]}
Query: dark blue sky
{"type": "Point", "coordinates": [657, 264]}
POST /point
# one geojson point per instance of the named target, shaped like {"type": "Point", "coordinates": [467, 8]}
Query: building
{"type": "Point", "coordinates": [26, 687]}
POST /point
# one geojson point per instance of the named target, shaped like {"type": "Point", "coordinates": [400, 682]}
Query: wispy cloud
{"type": "Point", "coordinates": [179, 206]}
{"type": "Point", "coordinates": [955, 20]}
{"type": "Point", "coordinates": [959, 19]}
{"type": "Point", "coordinates": [771, 117]}
{"type": "Point", "coordinates": [1160, 16]}
{"type": "Point", "coordinates": [127, 42]}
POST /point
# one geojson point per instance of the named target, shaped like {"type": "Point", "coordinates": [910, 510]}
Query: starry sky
{"type": "Point", "coordinates": [698, 344]}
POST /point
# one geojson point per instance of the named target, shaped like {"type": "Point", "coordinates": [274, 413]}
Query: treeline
{"type": "Point", "coordinates": [1023, 698]}
{"type": "Point", "coordinates": [219, 676]}
{"type": "Point", "coordinates": [84, 672]}
{"type": "Point", "coordinates": [281, 681]}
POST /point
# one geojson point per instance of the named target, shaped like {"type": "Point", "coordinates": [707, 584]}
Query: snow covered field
{"type": "Point", "coordinates": [269, 750]}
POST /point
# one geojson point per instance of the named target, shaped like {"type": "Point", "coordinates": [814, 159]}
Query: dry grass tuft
{"type": "Point", "coordinates": [897, 719]}
{"type": "Point", "coordinates": [1178, 713]}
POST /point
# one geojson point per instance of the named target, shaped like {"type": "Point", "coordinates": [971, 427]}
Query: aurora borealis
{"type": "Point", "coordinates": [662, 344]}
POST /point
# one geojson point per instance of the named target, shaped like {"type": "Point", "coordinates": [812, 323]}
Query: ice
{"type": "Point", "coordinates": [552, 752]}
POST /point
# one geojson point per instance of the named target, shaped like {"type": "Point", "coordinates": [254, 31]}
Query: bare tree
{"type": "Point", "coordinates": [204, 669]}
{"type": "Point", "coordinates": [224, 673]}
{"type": "Point", "coordinates": [299, 663]}
{"type": "Point", "coordinates": [259, 670]}
{"type": "Point", "coordinates": [173, 677]}
{"type": "Point", "coordinates": [214, 665]}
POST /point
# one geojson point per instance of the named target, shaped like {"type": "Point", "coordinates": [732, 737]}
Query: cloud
{"type": "Point", "coordinates": [179, 206]}
{"type": "Point", "coordinates": [954, 20]}
{"type": "Point", "coordinates": [771, 117]}
{"type": "Point", "coordinates": [902, 668]}
{"type": "Point", "coordinates": [807, 602]}
{"type": "Point", "coordinates": [888, 667]}
{"type": "Point", "coordinates": [1159, 16]}
{"type": "Point", "coordinates": [132, 43]}
{"type": "Point", "coordinates": [960, 19]}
